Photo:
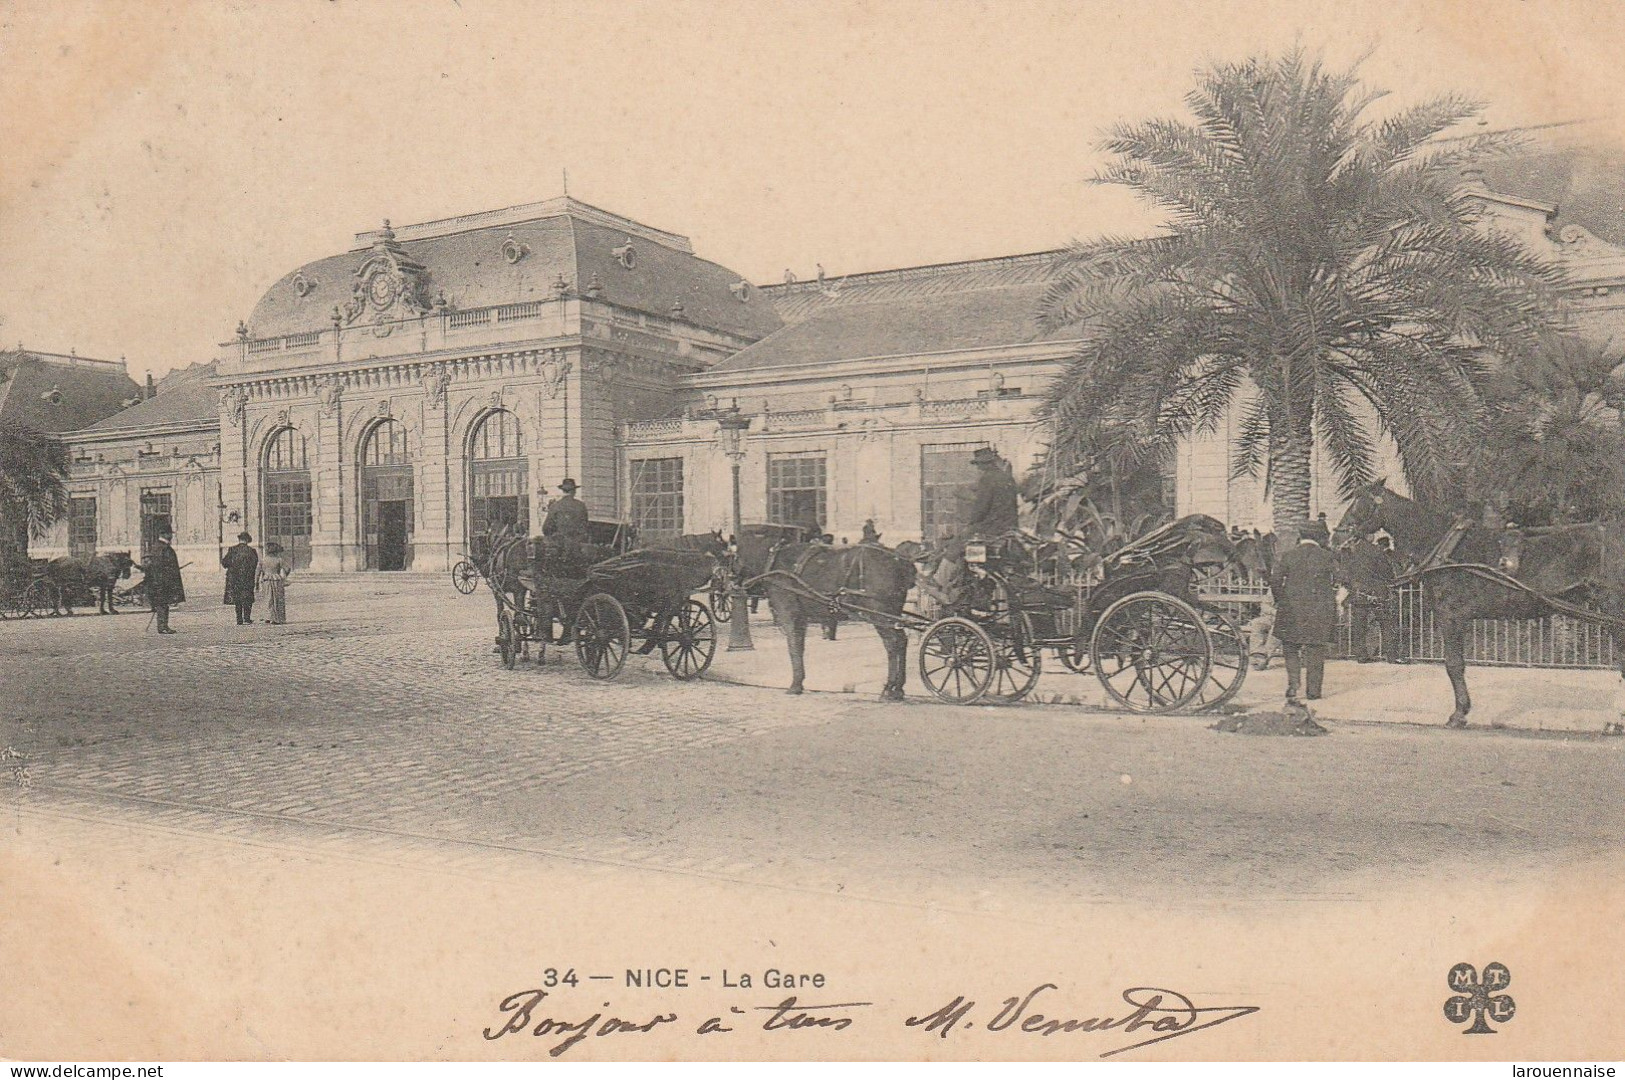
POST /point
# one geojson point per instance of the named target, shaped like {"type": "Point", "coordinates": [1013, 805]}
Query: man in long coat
{"type": "Point", "coordinates": [566, 516]}
{"type": "Point", "coordinates": [1305, 591]}
{"type": "Point", "coordinates": [1369, 570]}
{"type": "Point", "coordinates": [989, 509]}
{"type": "Point", "coordinates": [242, 565]}
{"type": "Point", "coordinates": [162, 580]}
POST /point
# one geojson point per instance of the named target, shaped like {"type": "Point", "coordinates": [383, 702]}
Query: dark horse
{"type": "Point", "coordinates": [1572, 563]}
{"type": "Point", "coordinates": [81, 575]}
{"type": "Point", "coordinates": [873, 580]}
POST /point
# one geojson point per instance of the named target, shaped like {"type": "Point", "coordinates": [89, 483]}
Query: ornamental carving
{"type": "Point", "coordinates": [303, 285]}
{"type": "Point", "coordinates": [284, 418]}
{"type": "Point", "coordinates": [329, 393]}
{"type": "Point", "coordinates": [385, 408]}
{"type": "Point", "coordinates": [434, 386]}
{"type": "Point", "coordinates": [1574, 239]}
{"type": "Point", "coordinates": [234, 404]}
{"type": "Point", "coordinates": [386, 286]}
{"type": "Point", "coordinates": [554, 374]}
{"type": "Point", "coordinates": [513, 250]}
{"type": "Point", "coordinates": [626, 254]}
{"type": "Point", "coordinates": [741, 290]}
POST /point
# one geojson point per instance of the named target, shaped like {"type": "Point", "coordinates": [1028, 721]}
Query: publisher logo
{"type": "Point", "coordinates": [1478, 999]}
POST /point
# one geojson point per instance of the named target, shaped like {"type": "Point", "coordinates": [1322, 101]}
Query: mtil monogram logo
{"type": "Point", "coordinates": [1478, 998]}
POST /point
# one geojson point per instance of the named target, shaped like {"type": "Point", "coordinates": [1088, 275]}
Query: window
{"type": "Point", "coordinates": [387, 445]}
{"type": "Point", "coordinates": [285, 496]}
{"type": "Point", "coordinates": [498, 487]}
{"type": "Point", "coordinates": [81, 526]}
{"type": "Point", "coordinates": [286, 452]}
{"type": "Point", "coordinates": [156, 514]}
{"type": "Point", "coordinates": [945, 473]}
{"type": "Point", "coordinates": [796, 485]}
{"type": "Point", "coordinates": [657, 497]}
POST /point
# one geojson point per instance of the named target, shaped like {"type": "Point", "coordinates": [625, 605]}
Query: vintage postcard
{"type": "Point", "coordinates": [755, 531]}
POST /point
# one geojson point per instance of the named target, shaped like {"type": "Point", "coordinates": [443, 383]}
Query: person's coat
{"type": "Point", "coordinates": [1305, 589]}
{"type": "Point", "coordinates": [162, 577]}
{"type": "Point", "coordinates": [566, 520]}
{"type": "Point", "coordinates": [991, 507]}
{"type": "Point", "coordinates": [242, 565]}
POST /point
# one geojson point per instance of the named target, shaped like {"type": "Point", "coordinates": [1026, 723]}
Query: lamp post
{"type": "Point", "coordinates": [733, 428]}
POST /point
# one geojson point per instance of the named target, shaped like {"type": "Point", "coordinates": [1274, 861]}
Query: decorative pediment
{"type": "Point", "coordinates": [387, 286]}
{"type": "Point", "coordinates": [1576, 241]}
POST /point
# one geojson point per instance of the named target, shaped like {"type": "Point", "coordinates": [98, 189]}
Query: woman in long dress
{"type": "Point", "coordinates": [274, 571]}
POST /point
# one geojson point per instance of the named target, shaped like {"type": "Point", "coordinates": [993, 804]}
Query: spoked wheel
{"type": "Point", "coordinates": [41, 598]}
{"type": "Point", "coordinates": [1018, 662]}
{"type": "Point", "coordinates": [691, 641]}
{"type": "Point", "coordinates": [1228, 669]}
{"type": "Point", "coordinates": [11, 604]}
{"type": "Point", "coordinates": [957, 660]}
{"type": "Point", "coordinates": [1151, 652]}
{"type": "Point", "coordinates": [722, 602]}
{"type": "Point", "coordinates": [603, 636]}
{"type": "Point", "coordinates": [465, 577]}
{"type": "Point", "coordinates": [507, 640]}
{"type": "Point", "coordinates": [1076, 656]}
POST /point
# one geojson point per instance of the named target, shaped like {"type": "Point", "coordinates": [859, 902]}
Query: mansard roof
{"type": "Point", "coordinates": [51, 393]}
{"type": "Point", "coordinates": [184, 397]}
{"type": "Point", "coordinates": [916, 311]}
{"type": "Point", "coordinates": [515, 256]}
{"type": "Point", "coordinates": [1585, 182]}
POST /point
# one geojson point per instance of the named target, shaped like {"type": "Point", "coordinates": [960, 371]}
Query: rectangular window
{"type": "Point", "coordinates": [81, 526]}
{"type": "Point", "coordinates": [657, 497]}
{"type": "Point", "coordinates": [157, 513]}
{"type": "Point", "coordinates": [796, 489]}
{"type": "Point", "coordinates": [945, 475]}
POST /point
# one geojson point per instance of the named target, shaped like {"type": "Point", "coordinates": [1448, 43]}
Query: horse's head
{"type": "Point", "coordinates": [1369, 509]}
{"type": "Point", "coordinates": [122, 562]}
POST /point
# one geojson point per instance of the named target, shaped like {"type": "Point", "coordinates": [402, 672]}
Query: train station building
{"type": "Point", "coordinates": [382, 405]}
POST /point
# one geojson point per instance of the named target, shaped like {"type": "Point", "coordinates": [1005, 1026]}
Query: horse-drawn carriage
{"type": "Point", "coordinates": [601, 598]}
{"type": "Point", "coordinates": [1154, 645]}
{"type": "Point", "coordinates": [40, 587]}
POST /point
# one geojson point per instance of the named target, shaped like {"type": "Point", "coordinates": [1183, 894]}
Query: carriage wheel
{"type": "Point", "coordinates": [465, 577]}
{"type": "Point", "coordinates": [1151, 652]}
{"type": "Point", "coordinates": [1076, 657]}
{"type": "Point", "coordinates": [722, 603]}
{"type": "Point", "coordinates": [41, 598]}
{"type": "Point", "coordinates": [956, 660]}
{"type": "Point", "coordinates": [691, 641]}
{"type": "Point", "coordinates": [1228, 669]}
{"type": "Point", "coordinates": [506, 639]}
{"type": "Point", "coordinates": [603, 636]}
{"type": "Point", "coordinates": [11, 605]}
{"type": "Point", "coordinates": [1018, 662]}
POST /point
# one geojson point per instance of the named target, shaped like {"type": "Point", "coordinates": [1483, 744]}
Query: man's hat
{"type": "Point", "coordinates": [568, 485]}
{"type": "Point", "coordinates": [245, 538]}
{"type": "Point", "coordinates": [984, 455]}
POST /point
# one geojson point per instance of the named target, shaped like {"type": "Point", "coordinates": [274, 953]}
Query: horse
{"type": "Point", "coordinates": [1571, 563]}
{"type": "Point", "coordinates": [98, 574]}
{"type": "Point", "coordinates": [876, 579]}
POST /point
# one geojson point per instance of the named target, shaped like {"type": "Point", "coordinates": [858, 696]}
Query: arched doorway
{"type": "Point", "coordinates": [386, 497]}
{"type": "Point", "coordinates": [498, 480]}
{"type": "Point", "coordinates": [285, 495]}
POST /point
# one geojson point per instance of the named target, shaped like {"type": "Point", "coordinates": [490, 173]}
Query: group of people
{"type": "Point", "coordinates": [1301, 610]}
{"type": "Point", "coordinates": [248, 574]}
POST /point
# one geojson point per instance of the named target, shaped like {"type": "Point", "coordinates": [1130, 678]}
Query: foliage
{"type": "Point", "coordinates": [1553, 450]}
{"type": "Point", "coordinates": [1321, 270]}
{"type": "Point", "coordinates": [33, 482]}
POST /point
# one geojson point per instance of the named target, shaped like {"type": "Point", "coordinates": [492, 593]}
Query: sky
{"type": "Point", "coordinates": [165, 163]}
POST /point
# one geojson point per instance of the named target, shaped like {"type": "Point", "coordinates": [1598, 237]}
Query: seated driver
{"type": "Point", "coordinates": [989, 511]}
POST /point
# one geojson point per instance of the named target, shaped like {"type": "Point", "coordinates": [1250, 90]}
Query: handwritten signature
{"type": "Point", "coordinates": [1164, 1014]}
{"type": "Point", "coordinates": [1155, 1015]}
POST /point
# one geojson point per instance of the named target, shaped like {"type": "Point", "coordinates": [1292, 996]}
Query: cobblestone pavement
{"type": "Point", "coordinates": [380, 724]}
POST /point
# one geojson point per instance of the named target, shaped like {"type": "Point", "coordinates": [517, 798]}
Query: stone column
{"type": "Point", "coordinates": [330, 505]}
{"type": "Point", "coordinates": [432, 547]}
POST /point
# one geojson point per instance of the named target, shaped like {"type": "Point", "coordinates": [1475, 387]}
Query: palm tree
{"type": "Point", "coordinates": [1320, 270]}
{"type": "Point", "coordinates": [1554, 451]}
{"type": "Point", "coordinates": [33, 486]}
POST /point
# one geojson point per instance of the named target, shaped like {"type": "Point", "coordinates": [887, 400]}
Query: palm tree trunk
{"type": "Point", "coordinates": [1290, 479]}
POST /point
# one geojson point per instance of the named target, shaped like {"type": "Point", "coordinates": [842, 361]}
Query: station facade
{"type": "Point", "coordinates": [382, 406]}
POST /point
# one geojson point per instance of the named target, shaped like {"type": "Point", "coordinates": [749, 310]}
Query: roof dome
{"type": "Point", "coordinates": [514, 256]}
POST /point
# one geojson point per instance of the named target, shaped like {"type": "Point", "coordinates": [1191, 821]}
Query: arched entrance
{"type": "Point", "coordinates": [498, 481]}
{"type": "Point", "coordinates": [386, 497]}
{"type": "Point", "coordinates": [285, 496]}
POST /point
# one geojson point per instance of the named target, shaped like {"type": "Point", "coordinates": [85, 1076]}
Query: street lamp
{"type": "Point", "coordinates": [733, 427]}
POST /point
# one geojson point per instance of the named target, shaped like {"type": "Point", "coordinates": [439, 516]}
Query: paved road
{"type": "Point", "coordinates": [381, 718]}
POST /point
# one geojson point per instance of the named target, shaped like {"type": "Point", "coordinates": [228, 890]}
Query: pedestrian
{"type": "Point", "coordinates": [1262, 644]}
{"type": "Point", "coordinates": [1369, 568]}
{"type": "Point", "coordinates": [274, 571]}
{"type": "Point", "coordinates": [242, 565]}
{"type": "Point", "coordinates": [1305, 590]}
{"type": "Point", "coordinates": [162, 580]}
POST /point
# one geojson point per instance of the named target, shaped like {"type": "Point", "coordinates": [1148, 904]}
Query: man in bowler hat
{"type": "Point", "coordinates": [1305, 591]}
{"type": "Point", "coordinates": [242, 565]}
{"type": "Point", "coordinates": [163, 579]}
{"type": "Point", "coordinates": [566, 516]}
